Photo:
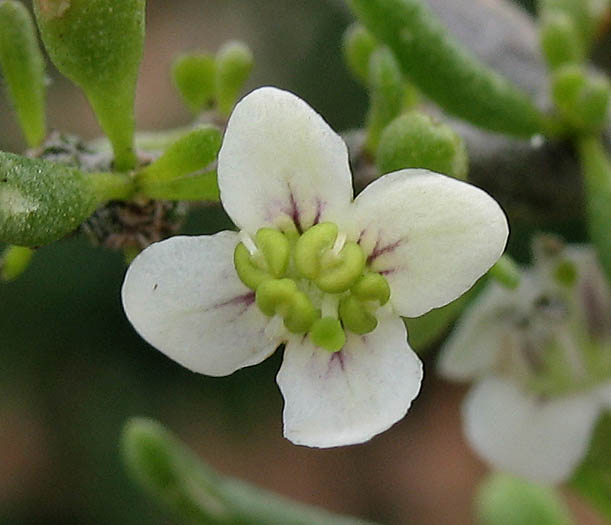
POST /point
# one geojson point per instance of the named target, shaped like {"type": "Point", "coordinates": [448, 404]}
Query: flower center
{"type": "Point", "coordinates": [317, 282]}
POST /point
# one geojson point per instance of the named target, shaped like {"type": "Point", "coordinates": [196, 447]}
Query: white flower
{"type": "Point", "coordinates": [285, 181]}
{"type": "Point", "coordinates": [541, 359]}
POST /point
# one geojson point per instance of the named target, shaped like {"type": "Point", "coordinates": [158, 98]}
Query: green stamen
{"type": "Point", "coordinates": [281, 296]}
{"type": "Point", "coordinates": [372, 287]}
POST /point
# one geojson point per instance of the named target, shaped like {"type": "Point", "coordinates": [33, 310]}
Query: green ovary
{"type": "Point", "coordinates": [297, 279]}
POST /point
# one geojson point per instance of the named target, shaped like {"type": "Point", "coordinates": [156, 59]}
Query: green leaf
{"type": "Point", "coordinates": [23, 68]}
{"type": "Point", "coordinates": [98, 45]}
{"type": "Point", "coordinates": [194, 76]}
{"type": "Point", "coordinates": [444, 71]}
{"type": "Point", "coordinates": [234, 63]}
{"type": "Point", "coordinates": [176, 478]}
{"type": "Point", "coordinates": [358, 44]}
{"type": "Point", "coordinates": [14, 261]}
{"type": "Point", "coordinates": [506, 500]}
{"type": "Point", "coordinates": [386, 94]}
{"type": "Point", "coordinates": [41, 202]}
{"type": "Point", "coordinates": [593, 477]}
{"type": "Point", "coordinates": [596, 166]}
{"type": "Point", "coordinates": [415, 140]}
{"type": "Point", "coordinates": [171, 175]}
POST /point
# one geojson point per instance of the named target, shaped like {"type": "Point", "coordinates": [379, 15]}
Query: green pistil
{"type": "Point", "coordinates": [279, 267]}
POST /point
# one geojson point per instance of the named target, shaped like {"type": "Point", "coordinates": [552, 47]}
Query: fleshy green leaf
{"type": "Point", "coordinates": [358, 45]}
{"type": "Point", "coordinates": [40, 202]}
{"type": "Point", "coordinates": [14, 261]}
{"type": "Point", "coordinates": [23, 68]}
{"type": "Point", "coordinates": [506, 500]}
{"type": "Point", "coordinates": [596, 166]}
{"type": "Point", "coordinates": [415, 140]}
{"type": "Point", "coordinates": [98, 45]}
{"type": "Point", "coordinates": [194, 78]}
{"type": "Point", "coordinates": [593, 477]}
{"type": "Point", "coordinates": [386, 92]}
{"type": "Point", "coordinates": [176, 478]}
{"type": "Point", "coordinates": [234, 62]}
{"type": "Point", "coordinates": [175, 173]}
{"type": "Point", "coordinates": [444, 71]}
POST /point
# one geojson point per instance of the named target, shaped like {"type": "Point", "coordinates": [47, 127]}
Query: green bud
{"type": "Point", "coordinates": [328, 333]}
{"type": "Point", "coordinates": [387, 94]}
{"type": "Point", "coordinates": [372, 287]}
{"type": "Point", "coordinates": [506, 272]}
{"type": "Point", "coordinates": [560, 40]}
{"type": "Point", "coordinates": [582, 99]}
{"type": "Point", "coordinates": [249, 272]}
{"type": "Point", "coordinates": [189, 154]}
{"type": "Point", "coordinates": [98, 45]}
{"type": "Point", "coordinates": [40, 202]}
{"type": "Point", "coordinates": [276, 250]}
{"type": "Point", "coordinates": [508, 500]}
{"type": "Point", "coordinates": [355, 315]}
{"type": "Point", "coordinates": [194, 78]}
{"type": "Point", "coordinates": [23, 68]}
{"type": "Point", "coordinates": [415, 140]}
{"type": "Point", "coordinates": [358, 45]}
{"type": "Point", "coordinates": [234, 63]}
{"type": "Point", "coordinates": [14, 262]}
{"type": "Point", "coordinates": [310, 247]}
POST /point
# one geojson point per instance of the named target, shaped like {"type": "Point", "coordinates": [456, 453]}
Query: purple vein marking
{"type": "Point", "coordinates": [338, 356]}
{"type": "Point", "coordinates": [319, 208]}
{"type": "Point", "coordinates": [381, 250]}
{"type": "Point", "coordinates": [241, 300]}
{"type": "Point", "coordinates": [293, 212]}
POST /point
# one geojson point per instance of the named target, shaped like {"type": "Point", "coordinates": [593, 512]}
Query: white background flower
{"type": "Point", "coordinates": [498, 343]}
{"type": "Point", "coordinates": [431, 236]}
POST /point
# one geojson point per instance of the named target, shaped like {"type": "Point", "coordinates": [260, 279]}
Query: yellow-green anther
{"type": "Point", "coordinates": [372, 287]}
{"type": "Point", "coordinates": [340, 274]}
{"type": "Point", "coordinates": [310, 247]}
{"type": "Point", "coordinates": [276, 296]}
{"type": "Point", "coordinates": [301, 314]}
{"type": "Point", "coordinates": [355, 315]}
{"type": "Point", "coordinates": [328, 334]}
{"type": "Point", "coordinates": [276, 250]}
{"type": "Point", "coordinates": [249, 272]}
{"type": "Point", "coordinates": [14, 261]}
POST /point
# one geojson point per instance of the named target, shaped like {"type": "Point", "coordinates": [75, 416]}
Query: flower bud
{"type": "Point", "coordinates": [581, 98]}
{"type": "Point", "coordinates": [415, 140]}
{"type": "Point", "coordinates": [560, 40]}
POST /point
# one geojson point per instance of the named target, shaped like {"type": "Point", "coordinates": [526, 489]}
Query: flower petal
{"type": "Point", "coordinates": [604, 394]}
{"type": "Point", "coordinates": [473, 347]}
{"type": "Point", "coordinates": [183, 296]}
{"type": "Point", "coordinates": [430, 235]}
{"type": "Point", "coordinates": [347, 397]}
{"type": "Point", "coordinates": [281, 161]}
{"type": "Point", "coordinates": [542, 440]}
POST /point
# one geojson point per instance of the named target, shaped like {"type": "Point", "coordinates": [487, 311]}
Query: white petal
{"type": "Point", "coordinates": [183, 296]}
{"type": "Point", "coordinates": [604, 394]}
{"type": "Point", "coordinates": [542, 440]}
{"type": "Point", "coordinates": [430, 235]}
{"type": "Point", "coordinates": [343, 398]}
{"type": "Point", "coordinates": [473, 347]}
{"type": "Point", "coordinates": [281, 161]}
